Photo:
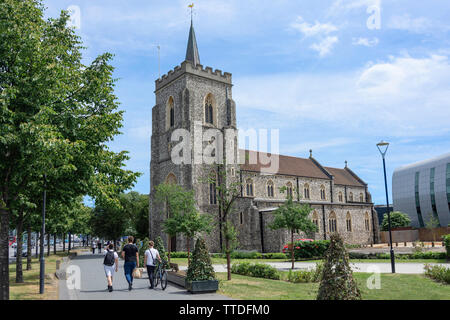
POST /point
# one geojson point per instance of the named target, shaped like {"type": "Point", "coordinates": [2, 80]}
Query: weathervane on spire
{"type": "Point", "coordinates": [192, 7]}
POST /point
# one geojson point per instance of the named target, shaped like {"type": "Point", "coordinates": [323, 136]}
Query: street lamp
{"type": "Point", "coordinates": [42, 259]}
{"type": "Point", "coordinates": [382, 147]}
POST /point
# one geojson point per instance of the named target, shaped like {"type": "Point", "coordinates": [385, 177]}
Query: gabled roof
{"type": "Point", "coordinates": [287, 165]}
{"type": "Point", "coordinates": [344, 177]}
{"type": "Point", "coordinates": [192, 50]}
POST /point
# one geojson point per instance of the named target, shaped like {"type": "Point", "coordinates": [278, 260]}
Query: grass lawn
{"type": "Point", "coordinates": [393, 287]}
{"type": "Point", "coordinates": [29, 290]}
{"type": "Point", "coordinates": [183, 261]}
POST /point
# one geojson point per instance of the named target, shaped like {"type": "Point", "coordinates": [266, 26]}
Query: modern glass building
{"type": "Point", "coordinates": [422, 190]}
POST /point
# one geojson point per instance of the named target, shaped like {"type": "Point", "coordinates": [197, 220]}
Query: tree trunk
{"type": "Point", "coordinates": [54, 243]}
{"type": "Point", "coordinates": [227, 248]}
{"type": "Point", "coordinates": [64, 242]}
{"type": "Point", "coordinates": [48, 244]}
{"type": "Point", "coordinates": [29, 253]}
{"type": "Point", "coordinates": [4, 254]}
{"type": "Point", "coordinates": [169, 247]}
{"type": "Point", "coordinates": [37, 244]}
{"type": "Point", "coordinates": [70, 242]}
{"type": "Point", "coordinates": [188, 250]}
{"type": "Point", "coordinates": [292, 250]}
{"type": "Point", "coordinates": [19, 241]}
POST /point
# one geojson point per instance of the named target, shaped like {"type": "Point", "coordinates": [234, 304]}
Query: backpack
{"type": "Point", "coordinates": [109, 259]}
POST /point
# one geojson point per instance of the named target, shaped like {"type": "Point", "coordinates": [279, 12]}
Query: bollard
{"type": "Point", "coordinates": [58, 263]}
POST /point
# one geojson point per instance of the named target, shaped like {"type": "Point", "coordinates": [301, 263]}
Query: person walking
{"type": "Point", "coordinates": [130, 254]}
{"type": "Point", "coordinates": [99, 246]}
{"type": "Point", "coordinates": [110, 264]}
{"type": "Point", "coordinates": [151, 254]}
{"type": "Point", "coordinates": [93, 247]}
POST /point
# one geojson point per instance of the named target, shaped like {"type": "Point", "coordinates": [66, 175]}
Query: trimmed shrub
{"type": "Point", "coordinates": [143, 246]}
{"type": "Point", "coordinates": [308, 249]}
{"type": "Point", "coordinates": [159, 245]}
{"type": "Point", "coordinates": [245, 255]}
{"type": "Point", "coordinates": [257, 270]}
{"type": "Point", "coordinates": [178, 254]}
{"type": "Point", "coordinates": [405, 256]}
{"type": "Point", "coordinates": [337, 281]}
{"type": "Point", "coordinates": [438, 273]}
{"type": "Point", "coordinates": [446, 239]}
{"type": "Point", "coordinates": [201, 267]}
{"type": "Point", "coordinates": [275, 255]}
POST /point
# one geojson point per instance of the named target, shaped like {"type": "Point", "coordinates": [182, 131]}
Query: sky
{"type": "Point", "coordinates": [334, 76]}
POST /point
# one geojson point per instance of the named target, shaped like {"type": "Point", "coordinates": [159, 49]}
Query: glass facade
{"type": "Point", "coordinates": [447, 184]}
{"type": "Point", "coordinates": [433, 197]}
{"type": "Point", "coordinates": [416, 190]}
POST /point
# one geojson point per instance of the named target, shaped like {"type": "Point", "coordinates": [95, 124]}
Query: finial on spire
{"type": "Point", "coordinates": [192, 7]}
{"type": "Point", "coordinates": [346, 163]}
{"type": "Point", "coordinates": [310, 153]}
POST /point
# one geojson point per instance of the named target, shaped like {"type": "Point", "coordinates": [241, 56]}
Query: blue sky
{"type": "Point", "coordinates": [328, 74]}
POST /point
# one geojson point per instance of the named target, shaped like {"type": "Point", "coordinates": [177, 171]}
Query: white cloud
{"type": "Point", "coordinates": [404, 96]}
{"type": "Point", "coordinates": [365, 42]}
{"type": "Point", "coordinates": [309, 30]}
{"type": "Point", "coordinates": [325, 46]}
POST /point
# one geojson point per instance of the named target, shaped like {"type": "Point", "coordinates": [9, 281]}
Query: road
{"type": "Point", "coordinates": [93, 285]}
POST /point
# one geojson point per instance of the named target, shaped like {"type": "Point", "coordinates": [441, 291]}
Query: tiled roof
{"type": "Point", "coordinates": [342, 176]}
{"type": "Point", "coordinates": [287, 165]}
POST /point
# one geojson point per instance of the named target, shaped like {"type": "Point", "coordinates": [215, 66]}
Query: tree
{"type": "Point", "coordinates": [295, 218]}
{"type": "Point", "coordinates": [431, 225]}
{"type": "Point", "coordinates": [398, 220]}
{"type": "Point", "coordinates": [201, 267]}
{"type": "Point", "coordinates": [337, 282]}
{"type": "Point", "coordinates": [135, 205]}
{"type": "Point", "coordinates": [56, 116]}
{"type": "Point", "coordinates": [109, 222]}
{"type": "Point", "coordinates": [227, 189]}
{"type": "Point", "coordinates": [159, 245]}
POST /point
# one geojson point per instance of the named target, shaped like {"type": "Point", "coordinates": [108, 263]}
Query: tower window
{"type": "Point", "coordinates": [322, 193]}
{"type": "Point", "coordinates": [170, 113]}
{"type": "Point", "coordinates": [209, 109]}
{"type": "Point", "coordinates": [332, 222]}
{"type": "Point", "coordinates": [350, 197]}
{"type": "Point", "coordinates": [349, 222]}
{"type": "Point", "coordinates": [340, 197]}
{"type": "Point", "coordinates": [212, 193]}
{"type": "Point", "coordinates": [306, 191]}
{"type": "Point", "coordinates": [249, 187]}
{"type": "Point", "coordinates": [270, 189]}
{"type": "Point", "coordinates": [289, 189]}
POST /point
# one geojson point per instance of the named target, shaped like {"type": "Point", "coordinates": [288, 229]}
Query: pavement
{"type": "Point", "coordinates": [93, 284]}
{"type": "Point", "coordinates": [404, 268]}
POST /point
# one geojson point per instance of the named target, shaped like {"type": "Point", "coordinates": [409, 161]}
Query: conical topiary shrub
{"type": "Point", "coordinates": [337, 282]}
{"type": "Point", "coordinates": [201, 267]}
{"type": "Point", "coordinates": [159, 245]}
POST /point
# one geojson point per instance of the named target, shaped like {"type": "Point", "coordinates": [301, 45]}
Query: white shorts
{"type": "Point", "coordinates": [109, 270]}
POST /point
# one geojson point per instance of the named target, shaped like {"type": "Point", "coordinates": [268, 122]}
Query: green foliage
{"type": "Point", "coordinates": [142, 246]}
{"type": "Point", "coordinates": [274, 255]}
{"type": "Point", "coordinates": [258, 270]}
{"type": "Point", "coordinates": [447, 244]}
{"type": "Point", "coordinates": [136, 206]}
{"type": "Point", "coordinates": [337, 282]}
{"type": "Point", "coordinates": [403, 256]}
{"type": "Point", "coordinates": [246, 255]}
{"type": "Point", "coordinates": [200, 267]}
{"type": "Point", "coordinates": [306, 276]}
{"type": "Point", "coordinates": [159, 245]}
{"type": "Point", "coordinates": [398, 220]}
{"type": "Point", "coordinates": [309, 249]}
{"type": "Point", "coordinates": [438, 273]}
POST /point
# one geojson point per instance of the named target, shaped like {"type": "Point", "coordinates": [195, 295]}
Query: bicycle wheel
{"type": "Point", "coordinates": [163, 279]}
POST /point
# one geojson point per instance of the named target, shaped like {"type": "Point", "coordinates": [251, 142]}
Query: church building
{"type": "Point", "coordinates": [193, 97]}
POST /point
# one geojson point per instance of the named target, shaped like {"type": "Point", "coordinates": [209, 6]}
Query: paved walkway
{"type": "Point", "coordinates": [406, 268]}
{"type": "Point", "coordinates": [94, 285]}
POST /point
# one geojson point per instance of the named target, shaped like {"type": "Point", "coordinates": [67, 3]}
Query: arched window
{"type": "Point", "coordinates": [341, 199]}
{"type": "Point", "coordinates": [170, 113]}
{"type": "Point", "coordinates": [361, 197]}
{"type": "Point", "coordinates": [306, 191]}
{"type": "Point", "coordinates": [315, 220]}
{"type": "Point", "coordinates": [322, 193]}
{"type": "Point", "coordinates": [249, 187]}
{"type": "Point", "coordinates": [332, 222]}
{"type": "Point", "coordinates": [350, 197]}
{"type": "Point", "coordinates": [171, 179]}
{"type": "Point", "coordinates": [212, 193]}
{"type": "Point", "coordinates": [367, 222]}
{"type": "Point", "coordinates": [348, 220]}
{"type": "Point", "coordinates": [270, 189]}
{"type": "Point", "coordinates": [289, 189]}
{"type": "Point", "coordinates": [241, 218]}
{"type": "Point", "coordinates": [209, 109]}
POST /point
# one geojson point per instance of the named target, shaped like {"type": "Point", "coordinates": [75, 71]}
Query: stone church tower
{"type": "Point", "coordinates": [196, 99]}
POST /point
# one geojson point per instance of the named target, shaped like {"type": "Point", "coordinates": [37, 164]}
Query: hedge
{"type": "Point", "coordinates": [415, 255]}
{"type": "Point", "coordinates": [447, 244]}
{"type": "Point", "coordinates": [237, 255]}
{"type": "Point", "coordinates": [308, 249]}
{"type": "Point", "coordinates": [438, 273]}
{"type": "Point", "coordinates": [258, 270]}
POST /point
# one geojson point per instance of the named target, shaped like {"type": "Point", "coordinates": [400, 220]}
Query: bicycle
{"type": "Point", "coordinates": [161, 274]}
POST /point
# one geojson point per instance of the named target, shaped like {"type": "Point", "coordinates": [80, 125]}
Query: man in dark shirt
{"type": "Point", "coordinates": [130, 254]}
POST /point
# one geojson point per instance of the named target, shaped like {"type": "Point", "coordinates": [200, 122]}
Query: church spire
{"type": "Point", "coordinates": [192, 50]}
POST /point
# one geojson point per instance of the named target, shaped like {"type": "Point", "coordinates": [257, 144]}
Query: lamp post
{"type": "Point", "coordinates": [382, 147]}
{"type": "Point", "coordinates": [42, 258]}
